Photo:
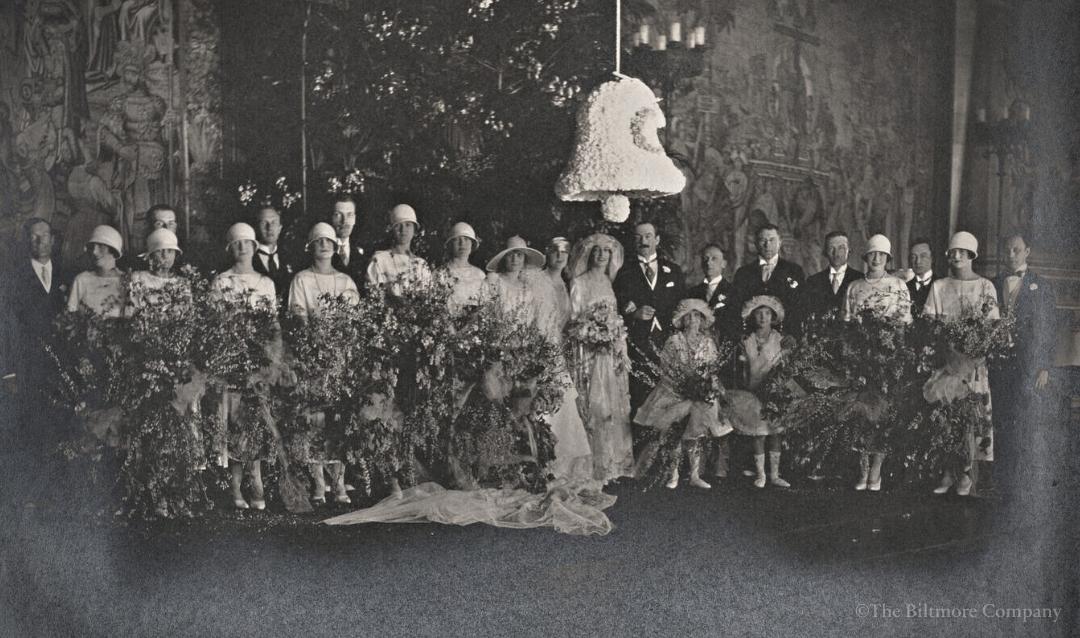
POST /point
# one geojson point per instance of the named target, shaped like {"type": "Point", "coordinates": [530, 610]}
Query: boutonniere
{"type": "Point", "coordinates": [665, 269]}
{"type": "Point", "coordinates": [792, 283]}
{"type": "Point", "coordinates": [718, 305]}
{"type": "Point", "coordinates": [1033, 287]}
{"type": "Point", "coordinates": [63, 287]}
{"type": "Point", "coordinates": [670, 284]}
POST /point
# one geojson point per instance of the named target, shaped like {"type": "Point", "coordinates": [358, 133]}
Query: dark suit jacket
{"type": "Point", "coordinates": [918, 297]}
{"type": "Point", "coordinates": [358, 263]}
{"type": "Point", "coordinates": [631, 287]}
{"type": "Point", "coordinates": [32, 311]}
{"type": "Point", "coordinates": [722, 303]}
{"type": "Point", "coordinates": [286, 270]}
{"type": "Point", "coordinates": [785, 283]}
{"type": "Point", "coordinates": [818, 297]}
{"type": "Point", "coordinates": [1036, 320]}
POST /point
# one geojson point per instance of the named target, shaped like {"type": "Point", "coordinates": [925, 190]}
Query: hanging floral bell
{"type": "Point", "coordinates": [617, 153]}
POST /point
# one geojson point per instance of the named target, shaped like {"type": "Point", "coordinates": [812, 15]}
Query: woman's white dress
{"type": "Point", "coordinates": [308, 287]}
{"type": "Point", "coordinates": [606, 393]}
{"type": "Point", "coordinates": [102, 295]}
{"type": "Point", "coordinates": [949, 297]}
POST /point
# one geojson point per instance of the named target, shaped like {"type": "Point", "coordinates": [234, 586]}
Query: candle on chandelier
{"type": "Point", "coordinates": [1005, 113]}
{"type": "Point", "coordinates": [980, 116]}
{"type": "Point", "coordinates": [643, 33]}
{"type": "Point", "coordinates": [676, 31]}
{"type": "Point", "coordinates": [1025, 112]}
{"type": "Point", "coordinates": [691, 40]}
{"type": "Point", "coordinates": [699, 36]}
{"type": "Point", "coordinates": [661, 43]}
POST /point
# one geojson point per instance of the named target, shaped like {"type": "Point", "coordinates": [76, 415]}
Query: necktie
{"type": "Point", "coordinates": [710, 291]}
{"type": "Point", "coordinates": [836, 279]}
{"type": "Point", "coordinates": [343, 252]}
{"type": "Point", "coordinates": [272, 264]}
{"type": "Point", "coordinates": [766, 272]}
{"type": "Point", "coordinates": [46, 277]}
{"type": "Point", "coordinates": [650, 272]}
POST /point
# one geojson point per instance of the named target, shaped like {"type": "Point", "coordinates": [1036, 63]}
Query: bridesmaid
{"type": "Point", "coordinates": [602, 374]}
{"type": "Point", "coordinates": [99, 289]}
{"type": "Point", "coordinates": [397, 269]}
{"type": "Point", "coordinates": [467, 279]}
{"type": "Point", "coordinates": [305, 300]}
{"type": "Point", "coordinates": [242, 279]}
{"type": "Point", "coordinates": [949, 297]}
{"type": "Point", "coordinates": [885, 296]}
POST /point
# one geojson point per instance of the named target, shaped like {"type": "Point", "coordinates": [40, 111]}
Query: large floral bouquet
{"type": "Point", "coordinates": [972, 332]}
{"type": "Point", "coordinates": [167, 436]}
{"type": "Point", "coordinates": [90, 379]}
{"type": "Point", "coordinates": [598, 328]}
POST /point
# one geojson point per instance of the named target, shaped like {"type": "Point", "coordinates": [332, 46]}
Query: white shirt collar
{"type": "Point", "coordinates": [647, 260]}
{"type": "Point", "coordinates": [837, 271]}
{"type": "Point", "coordinates": [925, 277]}
{"type": "Point", "coordinates": [269, 250]}
{"type": "Point", "coordinates": [39, 266]}
{"type": "Point", "coordinates": [771, 262]}
{"type": "Point", "coordinates": [714, 282]}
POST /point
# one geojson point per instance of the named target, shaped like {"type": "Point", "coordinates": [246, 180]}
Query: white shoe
{"type": "Point", "coordinates": [697, 482]}
{"type": "Point", "coordinates": [673, 482]}
{"type": "Point", "coordinates": [861, 485]}
{"type": "Point", "coordinates": [946, 484]}
{"type": "Point", "coordinates": [759, 481]}
{"type": "Point", "coordinates": [874, 486]}
{"type": "Point", "coordinates": [963, 488]}
{"type": "Point", "coordinates": [779, 482]}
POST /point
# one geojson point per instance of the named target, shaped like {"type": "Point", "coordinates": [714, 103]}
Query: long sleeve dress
{"type": "Point", "coordinates": [605, 392]}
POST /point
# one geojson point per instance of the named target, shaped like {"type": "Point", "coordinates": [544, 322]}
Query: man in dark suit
{"type": "Point", "coordinates": [269, 258]}
{"type": "Point", "coordinates": [770, 275]}
{"type": "Point", "coordinates": [1016, 384]}
{"type": "Point", "coordinates": [350, 258]}
{"type": "Point", "coordinates": [921, 259]}
{"type": "Point", "coordinates": [717, 291]}
{"type": "Point", "coordinates": [647, 289]}
{"type": "Point", "coordinates": [825, 291]}
{"type": "Point", "coordinates": [35, 292]}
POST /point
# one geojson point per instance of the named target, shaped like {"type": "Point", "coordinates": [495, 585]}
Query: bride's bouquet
{"type": "Point", "coordinates": [598, 327]}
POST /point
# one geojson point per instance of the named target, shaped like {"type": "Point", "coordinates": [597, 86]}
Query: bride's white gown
{"type": "Point", "coordinates": [573, 503]}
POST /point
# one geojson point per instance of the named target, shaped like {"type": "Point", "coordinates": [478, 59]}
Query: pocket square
{"type": "Point", "coordinates": [670, 284]}
{"type": "Point", "coordinates": [665, 269]}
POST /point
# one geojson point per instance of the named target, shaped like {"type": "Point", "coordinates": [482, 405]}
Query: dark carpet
{"type": "Point", "coordinates": [733, 561]}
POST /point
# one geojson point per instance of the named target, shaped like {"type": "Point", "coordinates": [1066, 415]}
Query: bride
{"type": "Point", "coordinates": [601, 373]}
{"type": "Point", "coordinates": [573, 503]}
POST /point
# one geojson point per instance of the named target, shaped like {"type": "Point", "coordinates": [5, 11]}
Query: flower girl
{"type": "Point", "coordinates": [759, 353]}
{"type": "Point", "coordinates": [687, 389]}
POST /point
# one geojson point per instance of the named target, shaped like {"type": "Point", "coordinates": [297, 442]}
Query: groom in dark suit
{"type": "Point", "coordinates": [770, 275]}
{"type": "Point", "coordinates": [825, 291]}
{"type": "Point", "coordinates": [647, 290]}
{"type": "Point", "coordinates": [1017, 383]}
